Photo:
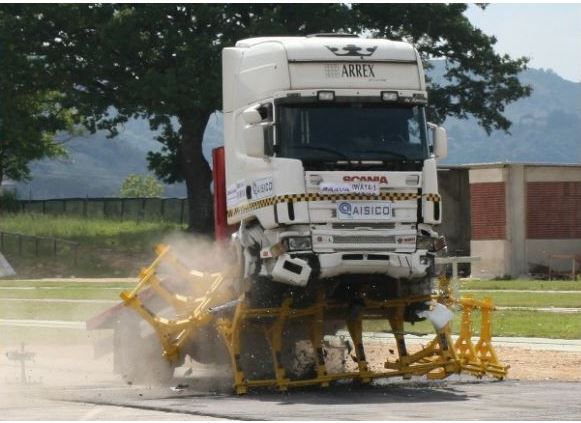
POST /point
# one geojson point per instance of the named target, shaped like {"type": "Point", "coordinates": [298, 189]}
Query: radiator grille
{"type": "Point", "coordinates": [356, 239]}
{"type": "Point", "coordinates": [355, 225]}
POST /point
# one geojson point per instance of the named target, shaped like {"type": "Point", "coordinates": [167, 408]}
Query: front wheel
{"type": "Point", "coordinates": [140, 359]}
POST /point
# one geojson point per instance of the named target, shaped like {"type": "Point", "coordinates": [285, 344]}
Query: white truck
{"type": "Point", "coordinates": [328, 182]}
{"type": "Point", "coordinates": [330, 164]}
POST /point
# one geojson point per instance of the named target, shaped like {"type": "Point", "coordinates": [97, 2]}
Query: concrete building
{"type": "Point", "coordinates": [512, 215]}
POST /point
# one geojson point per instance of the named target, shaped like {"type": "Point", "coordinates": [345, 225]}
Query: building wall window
{"type": "Point", "coordinates": [553, 210]}
{"type": "Point", "coordinates": [488, 210]}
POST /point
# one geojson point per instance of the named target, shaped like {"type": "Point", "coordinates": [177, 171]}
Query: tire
{"type": "Point", "coordinates": [208, 347]}
{"type": "Point", "coordinates": [139, 359]}
{"type": "Point", "coordinates": [266, 293]}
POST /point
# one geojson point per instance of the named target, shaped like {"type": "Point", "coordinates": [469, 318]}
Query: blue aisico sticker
{"type": "Point", "coordinates": [364, 210]}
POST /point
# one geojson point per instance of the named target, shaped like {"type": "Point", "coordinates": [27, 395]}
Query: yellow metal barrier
{"type": "Point", "coordinates": [437, 360]}
{"type": "Point", "coordinates": [479, 359]}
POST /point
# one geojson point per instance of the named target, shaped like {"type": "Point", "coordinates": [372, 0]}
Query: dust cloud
{"type": "Point", "coordinates": [72, 358]}
{"type": "Point", "coordinates": [189, 270]}
{"type": "Point", "coordinates": [66, 356]}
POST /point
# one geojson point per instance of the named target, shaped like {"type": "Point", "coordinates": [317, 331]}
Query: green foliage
{"type": "Point", "coordinates": [31, 109]}
{"type": "Point", "coordinates": [141, 186]}
{"type": "Point", "coordinates": [9, 201]}
{"type": "Point", "coordinates": [477, 81]}
{"type": "Point", "coordinates": [162, 62]}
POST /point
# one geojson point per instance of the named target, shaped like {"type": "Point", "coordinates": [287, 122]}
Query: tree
{"type": "Point", "coordinates": [31, 113]}
{"type": "Point", "coordinates": [478, 81]}
{"type": "Point", "coordinates": [162, 62]}
{"type": "Point", "coordinates": [139, 186]}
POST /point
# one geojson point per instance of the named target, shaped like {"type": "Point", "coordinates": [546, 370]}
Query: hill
{"type": "Point", "coordinates": [546, 128]}
{"type": "Point", "coordinates": [96, 166]}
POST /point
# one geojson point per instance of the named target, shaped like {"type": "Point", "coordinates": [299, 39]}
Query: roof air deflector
{"type": "Point", "coordinates": [332, 34]}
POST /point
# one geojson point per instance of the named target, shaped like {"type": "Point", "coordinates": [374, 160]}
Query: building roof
{"type": "Point", "coordinates": [504, 164]}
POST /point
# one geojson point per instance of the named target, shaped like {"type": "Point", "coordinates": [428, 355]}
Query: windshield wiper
{"type": "Point", "coordinates": [391, 153]}
{"type": "Point", "coordinates": [325, 149]}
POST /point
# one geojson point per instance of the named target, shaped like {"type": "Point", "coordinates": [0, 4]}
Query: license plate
{"type": "Point", "coordinates": [364, 210]}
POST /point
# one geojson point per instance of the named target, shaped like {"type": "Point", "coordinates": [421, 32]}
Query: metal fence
{"type": "Point", "coordinates": [148, 209]}
{"type": "Point", "coordinates": [22, 245]}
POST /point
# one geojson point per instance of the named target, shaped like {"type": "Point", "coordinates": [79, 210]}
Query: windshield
{"type": "Point", "coordinates": [351, 131]}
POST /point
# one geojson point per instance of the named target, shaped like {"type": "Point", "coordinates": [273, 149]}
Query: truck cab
{"type": "Point", "coordinates": [330, 163]}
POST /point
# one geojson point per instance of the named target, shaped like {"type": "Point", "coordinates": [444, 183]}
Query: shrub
{"type": "Point", "coordinates": [9, 201]}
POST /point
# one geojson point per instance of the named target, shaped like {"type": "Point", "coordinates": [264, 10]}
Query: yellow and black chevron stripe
{"type": "Point", "coordinates": [315, 196]}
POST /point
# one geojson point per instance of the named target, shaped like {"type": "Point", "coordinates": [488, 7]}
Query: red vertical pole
{"type": "Point", "coordinates": [221, 230]}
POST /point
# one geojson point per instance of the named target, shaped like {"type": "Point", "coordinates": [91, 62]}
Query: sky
{"type": "Point", "coordinates": [549, 34]}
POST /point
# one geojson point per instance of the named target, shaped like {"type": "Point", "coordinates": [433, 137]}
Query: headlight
{"type": "Point", "coordinates": [299, 243]}
{"type": "Point", "coordinates": [424, 243]}
{"type": "Point", "coordinates": [431, 244]}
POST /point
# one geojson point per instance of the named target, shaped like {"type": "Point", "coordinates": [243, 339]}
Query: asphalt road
{"type": "Point", "coordinates": [84, 389]}
{"type": "Point", "coordinates": [451, 400]}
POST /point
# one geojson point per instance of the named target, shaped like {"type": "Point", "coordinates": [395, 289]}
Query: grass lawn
{"type": "Point", "coordinates": [111, 248]}
{"type": "Point", "coordinates": [62, 290]}
{"type": "Point", "coordinates": [49, 311]}
{"type": "Point", "coordinates": [531, 299]}
{"type": "Point", "coordinates": [89, 293]}
{"type": "Point", "coordinates": [537, 324]}
{"type": "Point", "coordinates": [508, 323]}
{"type": "Point", "coordinates": [107, 247]}
{"type": "Point", "coordinates": [529, 285]}
{"type": "Point", "coordinates": [106, 291]}
{"type": "Point", "coordinates": [103, 232]}
{"type": "Point", "coordinates": [64, 284]}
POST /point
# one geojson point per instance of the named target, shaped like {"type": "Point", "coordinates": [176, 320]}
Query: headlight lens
{"type": "Point", "coordinates": [299, 243]}
{"type": "Point", "coordinates": [424, 243]}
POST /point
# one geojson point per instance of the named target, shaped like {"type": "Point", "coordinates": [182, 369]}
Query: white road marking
{"type": "Point", "coordinates": [55, 324]}
{"type": "Point", "coordinates": [55, 300]}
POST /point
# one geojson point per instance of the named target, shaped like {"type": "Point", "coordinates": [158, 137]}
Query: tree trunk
{"type": "Point", "coordinates": [197, 173]}
{"type": "Point", "coordinates": [1, 158]}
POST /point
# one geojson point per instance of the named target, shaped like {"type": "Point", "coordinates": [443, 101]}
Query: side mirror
{"type": "Point", "coordinates": [252, 116]}
{"type": "Point", "coordinates": [259, 132]}
{"type": "Point", "coordinates": [440, 141]}
{"type": "Point", "coordinates": [254, 140]}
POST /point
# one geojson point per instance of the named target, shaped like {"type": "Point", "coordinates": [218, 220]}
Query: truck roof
{"type": "Point", "coordinates": [333, 48]}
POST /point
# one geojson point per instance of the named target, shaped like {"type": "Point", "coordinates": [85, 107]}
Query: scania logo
{"type": "Point", "coordinates": [363, 178]}
{"type": "Point", "coordinates": [352, 50]}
